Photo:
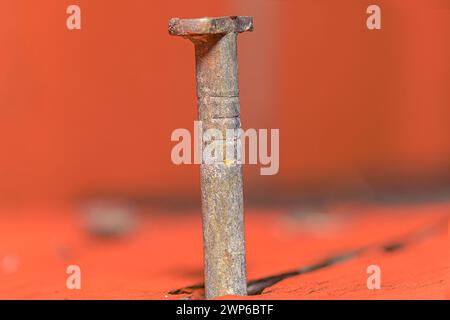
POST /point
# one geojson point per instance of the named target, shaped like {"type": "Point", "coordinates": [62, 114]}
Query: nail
{"type": "Point", "coordinates": [215, 41]}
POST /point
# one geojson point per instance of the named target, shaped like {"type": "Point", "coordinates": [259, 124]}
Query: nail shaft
{"type": "Point", "coordinates": [215, 41]}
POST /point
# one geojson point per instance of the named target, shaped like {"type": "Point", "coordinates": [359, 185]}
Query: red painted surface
{"type": "Point", "coordinates": [165, 253]}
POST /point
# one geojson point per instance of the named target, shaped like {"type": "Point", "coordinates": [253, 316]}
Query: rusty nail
{"type": "Point", "coordinates": [215, 41]}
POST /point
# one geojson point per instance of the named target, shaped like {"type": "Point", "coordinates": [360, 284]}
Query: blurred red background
{"type": "Point", "coordinates": [91, 112]}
